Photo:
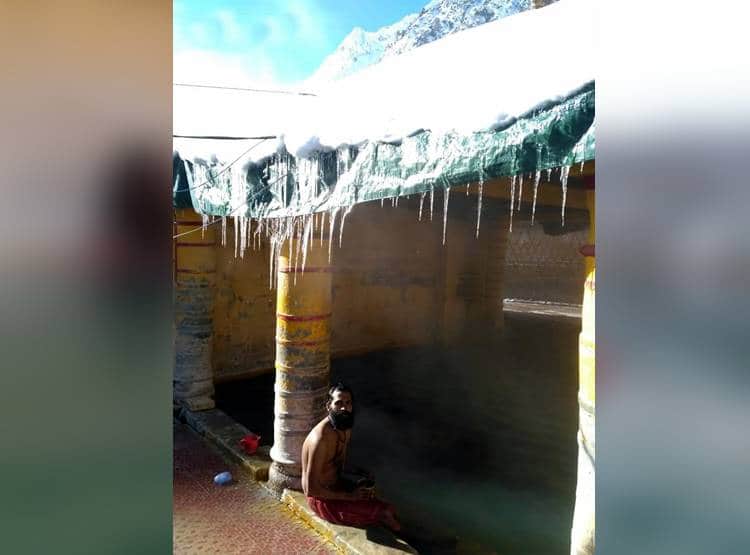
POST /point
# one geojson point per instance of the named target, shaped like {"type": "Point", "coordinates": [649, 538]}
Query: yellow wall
{"type": "Point", "coordinates": [244, 313]}
{"type": "Point", "coordinates": [394, 284]}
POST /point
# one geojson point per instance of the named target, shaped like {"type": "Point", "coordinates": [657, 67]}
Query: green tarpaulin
{"type": "Point", "coordinates": [557, 135]}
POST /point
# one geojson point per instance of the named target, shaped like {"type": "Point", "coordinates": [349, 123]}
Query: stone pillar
{"type": "Point", "coordinates": [194, 290]}
{"type": "Point", "coordinates": [303, 337]}
{"type": "Point", "coordinates": [583, 531]}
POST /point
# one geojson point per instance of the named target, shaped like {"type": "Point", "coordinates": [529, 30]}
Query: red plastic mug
{"type": "Point", "coordinates": [250, 443]}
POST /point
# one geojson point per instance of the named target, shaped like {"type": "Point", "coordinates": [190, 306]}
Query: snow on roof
{"type": "Point", "coordinates": [478, 79]}
{"type": "Point", "coordinates": [231, 113]}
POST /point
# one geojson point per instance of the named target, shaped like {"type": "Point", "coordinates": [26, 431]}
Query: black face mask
{"type": "Point", "coordinates": [341, 420]}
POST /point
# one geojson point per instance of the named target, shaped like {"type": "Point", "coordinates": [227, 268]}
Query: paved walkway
{"type": "Point", "coordinates": [239, 518]}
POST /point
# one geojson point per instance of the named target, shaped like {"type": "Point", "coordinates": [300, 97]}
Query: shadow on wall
{"type": "Point", "coordinates": [476, 441]}
{"type": "Point", "coordinates": [542, 262]}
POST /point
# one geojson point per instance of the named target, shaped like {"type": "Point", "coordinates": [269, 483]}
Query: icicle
{"type": "Point", "coordinates": [243, 234]}
{"type": "Point", "coordinates": [580, 168]}
{"type": "Point", "coordinates": [512, 198]}
{"type": "Point", "coordinates": [396, 202]}
{"type": "Point", "coordinates": [204, 217]}
{"type": "Point", "coordinates": [343, 219]}
{"type": "Point", "coordinates": [236, 236]}
{"type": "Point", "coordinates": [432, 200]}
{"type": "Point", "coordinates": [298, 228]}
{"type": "Point", "coordinates": [549, 174]}
{"type": "Point", "coordinates": [256, 235]}
{"type": "Point", "coordinates": [271, 258]}
{"type": "Point", "coordinates": [479, 205]}
{"type": "Point", "coordinates": [564, 171]}
{"type": "Point", "coordinates": [382, 202]}
{"type": "Point", "coordinates": [331, 226]}
{"type": "Point", "coordinates": [520, 193]}
{"type": "Point", "coordinates": [289, 235]}
{"type": "Point", "coordinates": [223, 231]}
{"type": "Point", "coordinates": [306, 236]}
{"type": "Point", "coordinates": [322, 227]}
{"type": "Point", "coordinates": [446, 198]}
{"type": "Point", "coordinates": [467, 189]}
{"type": "Point", "coordinates": [249, 233]}
{"type": "Point", "coordinates": [421, 203]}
{"type": "Point", "coordinates": [537, 177]}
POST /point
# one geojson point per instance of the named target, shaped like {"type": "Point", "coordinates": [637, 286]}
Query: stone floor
{"type": "Point", "coordinates": [238, 518]}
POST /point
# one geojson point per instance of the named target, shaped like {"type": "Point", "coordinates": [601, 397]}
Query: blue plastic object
{"type": "Point", "coordinates": [222, 478]}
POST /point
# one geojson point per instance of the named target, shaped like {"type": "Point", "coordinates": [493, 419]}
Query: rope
{"type": "Point", "coordinates": [275, 91]}
{"type": "Point", "coordinates": [231, 212]}
{"type": "Point", "coordinates": [209, 182]}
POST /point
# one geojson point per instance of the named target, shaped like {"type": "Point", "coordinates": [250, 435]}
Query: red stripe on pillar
{"type": "Point", "coordinates": [311, 318]}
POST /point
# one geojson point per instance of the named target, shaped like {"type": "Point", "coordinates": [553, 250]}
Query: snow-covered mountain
{"type": "Point", "coordinates": [360, 49]}
{"type": "Point", "coordinates": [437, 19]}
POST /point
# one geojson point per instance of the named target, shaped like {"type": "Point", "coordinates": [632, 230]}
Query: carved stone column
{"type": "Point", "coordinates": [194, 291]}
{"type": "Point", "coordinates": [303, 337]}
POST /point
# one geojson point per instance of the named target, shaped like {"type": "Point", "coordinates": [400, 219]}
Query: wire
{"type": "Point", "coordinates": [221, 137]}
{"type": "Point", "coordinates": [225, 168]}
{"type": "Point", "coordinates": [231, 212]}
{"type": "Point", "coordinates": [276, 91]}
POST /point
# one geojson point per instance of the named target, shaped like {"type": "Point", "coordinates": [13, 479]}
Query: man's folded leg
{"type": "Point", "coordinates": [359, 512]}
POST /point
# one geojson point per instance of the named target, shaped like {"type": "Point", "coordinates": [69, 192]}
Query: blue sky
{"type": "Point", "coordinates": [269, 42]}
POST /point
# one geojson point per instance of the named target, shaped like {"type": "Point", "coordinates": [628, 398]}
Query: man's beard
{"type": "Point", "coordinates": [341, 420]}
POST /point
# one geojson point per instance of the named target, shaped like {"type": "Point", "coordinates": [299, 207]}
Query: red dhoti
{"type": "Point", "coordinates": [359, 512]}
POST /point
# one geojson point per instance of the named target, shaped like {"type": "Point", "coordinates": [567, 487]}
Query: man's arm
{"type": "Point", "coordinates": [317, 456]}
{"type": "Point", "coordinates": [348, 468]}
{"type": "Point", "coordinates": [359, 471]}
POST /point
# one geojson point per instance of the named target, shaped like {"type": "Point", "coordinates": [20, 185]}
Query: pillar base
{"type": "Point", "coordinates": [195, 395]}
{"type": "Point", "coordinates": [282, 476]}
{"type": "Point", "coordinates": [197, 403]}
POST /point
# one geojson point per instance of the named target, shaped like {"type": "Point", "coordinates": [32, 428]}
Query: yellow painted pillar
{"type": "Point", "coordinates": [303, 339]}
{"type": "Point", "coordinates": [583, 531]}
{"type": "Point", "coordinates": [194, 291]}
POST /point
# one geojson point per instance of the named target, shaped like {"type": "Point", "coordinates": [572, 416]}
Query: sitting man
{"type": "Point", "coordinates": [332, 496]}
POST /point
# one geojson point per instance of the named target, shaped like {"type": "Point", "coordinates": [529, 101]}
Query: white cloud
{"type": "Point", "coordinates": [223, 48]}
{"type": "Point", "coordinates": [277, 31]}
{"type": "Point", "coordinates": [230, 28]}
{"type": "Point", "coordinates": [310, 19]}
{"type": "Point", "coordinates": [198, 34]}
{"type": "Point", "coordinates": [210, 67]}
